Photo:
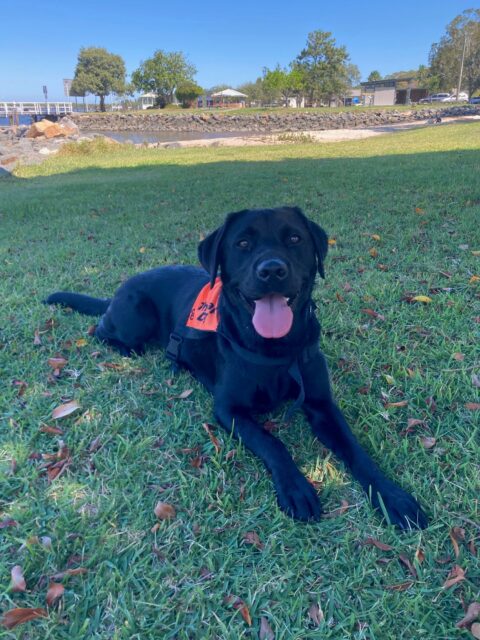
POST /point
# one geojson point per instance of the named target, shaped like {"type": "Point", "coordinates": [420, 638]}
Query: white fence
{"type": "Point", "coordinates": [35, 108]}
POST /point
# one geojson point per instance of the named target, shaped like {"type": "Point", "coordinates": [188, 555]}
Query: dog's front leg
{"type": "Point", "coordinates": [331, 428]}
{"type": "Point", "coordinates": [295, 495]}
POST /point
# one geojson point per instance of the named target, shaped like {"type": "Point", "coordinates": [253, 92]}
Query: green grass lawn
{"type": "Point", "coordinates": [404, 211]}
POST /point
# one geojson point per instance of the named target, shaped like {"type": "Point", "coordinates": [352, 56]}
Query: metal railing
{"type": "Point", "coordinates": [35, 108]}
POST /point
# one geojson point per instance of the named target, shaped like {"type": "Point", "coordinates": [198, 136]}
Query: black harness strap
{"type": "Point", "coordinates": [181, 333]}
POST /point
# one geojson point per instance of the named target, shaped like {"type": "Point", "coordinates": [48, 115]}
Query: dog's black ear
{"type": "Point", "coordinates": [320, 240]}
{"type": "Point", "coordinates": [209, 252]}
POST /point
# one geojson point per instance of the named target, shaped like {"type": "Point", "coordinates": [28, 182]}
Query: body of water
{"type": "Point", "coordinates": [23, 120]}
{"type": "Point", "coordinates": [168, 136]}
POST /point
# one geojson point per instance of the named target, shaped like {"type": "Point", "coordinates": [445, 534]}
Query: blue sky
{"type": "Point", "coordinates": [228, 41]}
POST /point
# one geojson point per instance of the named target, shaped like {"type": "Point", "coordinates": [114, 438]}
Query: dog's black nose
{"type": "Point", "coordinates": [273, 269]}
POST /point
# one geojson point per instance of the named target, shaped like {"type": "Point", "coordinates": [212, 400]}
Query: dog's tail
{"type": "Point", "coordinates": [79, 302]}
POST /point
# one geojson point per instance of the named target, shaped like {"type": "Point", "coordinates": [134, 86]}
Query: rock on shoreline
{"type": "Point", "coordinates": [275, 122]}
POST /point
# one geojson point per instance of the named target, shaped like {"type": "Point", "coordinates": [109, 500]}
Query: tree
{"type": "Point", "coordinates": [374, 76]}
{"type": "Point", "coordinates": [162, 74]}
{"type": "Point", "coordinates": [187, 92]}
{"type": "Point", "coordinates": [324, 66]}
{"type": "Point", "coordinates": [282, 82]}
{"type": "Point", "coordinates": [461, 43]}
{"type": "Point", "coordinates": [98, 72]}
{"type": "Point", "coordinates": [254, 91]}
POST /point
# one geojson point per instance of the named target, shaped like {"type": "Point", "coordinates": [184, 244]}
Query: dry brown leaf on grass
{"type": "Point", "coordinates": [456, 575]}
{"type": "Point", "coordinates": [377, 543]}
{"type": "Point", "coordinates": [69, 572]}
{"type": "Point", "coordinates": [266, 631]}
{"type": "Point", "coordinates": [338, 511]}
{"type": "Point", "coordinates": [400, 403]}
{"type": "Point", "coordinates": [472, 406]}
{"type": "Point", "coordinates": [164, 511]}
{"type": "Point", "coordinates": [55, 591]}
{"type": "Point", "coordinates": [21, 615]}
{"type": "Point", "coordinates": [57, 364]}
{"type": "Point", "coordinates": [475, 630]}
{"type": "Point", "coordinates": [64, 410]}
{"type": "Point", "coordinates": [18, 581]}
{"type": "Point", "coordinates": [45, 428]}
{"type": "Point", "coordinates": [252, 537]}
{"type": "Point", "coordinates": [214, 440]}
{"type": "Point", "coordinates": [8, 522]}
{"type": "Point", "coordinates": [402, 586]}
{"type": "Point", "coordinates": [428, 442]}
{"type": "Point", "coordinates": [406, 562]}
{"type": "Point", "coordinates": [471, 615]}
{"type": "Point", "coordinates": [315, 614]}
{"type": "Point", "coordinates": [457, 534]}
{"type": "Point", "coordinates": [373, 314]}
{"type": "Point", "coordinates": [239, 605]}
{"type": "Point", "coordinates": [183, 395]}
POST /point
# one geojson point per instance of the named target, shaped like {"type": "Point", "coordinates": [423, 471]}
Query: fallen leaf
{"type": "Point", "coordinates": [164, 511]}
{"type": "Point", "coordinates": [95, 445]}
{"type": "Point", "coordinates": [472, 406]}
{"type": "Point", "coordinates": [419, 555]}
{"type": "Point", "coordinates": [457, 534]}
{"type": "Point", "coordinates": [81, 342]}
{"type": "Point", "coordinates": [45, 428]}
{"type": "Point", "coordinates": [412, 423]}
{"type": "Point", "coordinates": [475, 630]}
{"type": "Point", "coordinates": [46, 542]}
{"type": "Point", "coordinates": [375, 236]}
{"type": "Point", "coordinates": [15, 617]}
{"type": "Point", "coordinates": [315, 613]}
{"type": "Point", "coordinates": [55, 591]}
{"type": "Point", "coordinates": [9, 522]}
{"type": "Point", "coordinates": [332, 242]}
{"type": "Point", "coordinates": [424, 299]}
{"type": "Point", "coordinates": [389, 379]}
{"type": "Point", "coordinates": [377, 543]}
{"type": "Point", "coordinates": [402, 586]}
{"type": "Point", "coordinates": [471, 615]}
{"type": "Point", "coordinates": [338, 511]}
{"type": "Point", "coordinates": [18, 581]}
{"type": "Point", "coordinates": [239, 605]}
{"type": "Point", "coordinates": [266, 632]}
{"type": "Point", "coordinates": [401, 403]}
{"type": "Point", "coordinates": [428, 442]}
{"type": "Point", "coordinates": [69, 572]}
{"type": "Point", "coordinates": [65, 409]}
{"type": "Point", "coordinates": [456, 575]}
{"type": "Point", "coordinates": [459, 357]}
{"type": "Point", "coordinates": [57, 363]}
{"type": "Point", "coordinates": [36, 338]}
{"type": "Point", "coordinates": [251, 537]}
{"type": "Point", "coordinates": [183, 395]}
{"type": "Point", "coordinates": [406, 562]}
{"type": "Point", "coordinates": [142, 250]}
{"type": "Point", "coordinates": [216, 443]}
{"type": "Point", "coordinates": [21, 386]}
{"type": "Point", "coordinates": [373, 314]}
{"type": "Point", "coordinates": [419, 210]}
{"type": "Point", "coordinates": [474, 279]}
{"type": "Point", "coordinates": [373, 252]}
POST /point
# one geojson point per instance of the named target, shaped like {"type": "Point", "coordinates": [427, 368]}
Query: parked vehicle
{"type": "Point", "coordinates": [462, 97]}
{"type": "Point", "coordinates": [445, 97]}
{"type": "Point", "coordinates": [475, 100]}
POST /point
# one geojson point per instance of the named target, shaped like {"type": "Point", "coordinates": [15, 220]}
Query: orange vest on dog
{"type": "Point", "coordinates": [204, 315]}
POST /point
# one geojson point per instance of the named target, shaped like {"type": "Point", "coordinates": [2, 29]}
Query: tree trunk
{"type": "Point", "coordinates": [102, 103]}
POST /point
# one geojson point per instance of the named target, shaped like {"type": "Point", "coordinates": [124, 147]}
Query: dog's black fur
{"type": "Point", "coordinates": [258, 253]}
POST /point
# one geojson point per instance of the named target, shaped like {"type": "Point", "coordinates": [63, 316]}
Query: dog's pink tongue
{"type": "Point", "coordinates": [273, 317]}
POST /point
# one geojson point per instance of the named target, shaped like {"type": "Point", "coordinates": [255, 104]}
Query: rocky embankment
{"type": "Point", "coordinates": [261, 122]}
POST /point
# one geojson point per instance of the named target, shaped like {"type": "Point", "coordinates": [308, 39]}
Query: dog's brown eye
{"type": "Point", "coordinates": [294, 239]}
{"type": "Point", "coordinates": [243, 244]}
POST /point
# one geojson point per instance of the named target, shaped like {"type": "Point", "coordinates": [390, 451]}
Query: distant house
{"type": "Point", "coordinates": [147, 100]}
{"type": "Point", "coordinates": [392, 91]}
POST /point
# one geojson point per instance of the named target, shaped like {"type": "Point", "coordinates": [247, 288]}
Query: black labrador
{"type": "Point", "coordinates": [260, 349]}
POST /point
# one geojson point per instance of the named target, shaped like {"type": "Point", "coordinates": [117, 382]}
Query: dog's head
{"type": "Point", "coordinates": [268, 259]}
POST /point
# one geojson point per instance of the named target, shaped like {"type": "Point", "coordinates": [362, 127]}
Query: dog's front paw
{"type": "Point", "coordinates": [402, 509]}
{"type": "Point", "coordinates": [297, 497]}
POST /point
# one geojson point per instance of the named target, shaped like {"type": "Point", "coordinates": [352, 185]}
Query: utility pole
{"type": "Point", "coordinates": [459, 86]}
